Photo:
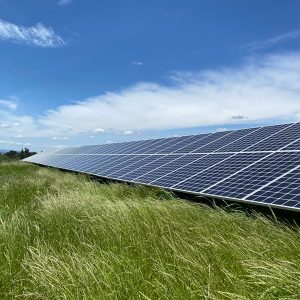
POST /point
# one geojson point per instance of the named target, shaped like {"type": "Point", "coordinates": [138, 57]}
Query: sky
{"type": "Point", "coordinates": [80, 72]}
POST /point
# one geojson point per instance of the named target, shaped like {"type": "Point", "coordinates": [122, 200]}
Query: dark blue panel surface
{"type": "Point", "coordinates": [181, 172]}
{"type": "Point", "coordinates": [257, 164]}
{"type": "Point", "coordinates": [284, 191]}
{"type": "Point", "coordinates": [223, 141]}
{"type": "Point", "coordinates": [254, 177]}
{"type": "Point", "coordinates": [197, 143]}
{"type": "Point", "coordinates": [179, 160]}
{"type": "Point", "coordinates": [257, 135]}
{"type": "Point", "coordinates": [152, 165]}
{"type": "Point", "coordinates": [294, 146]}
{"type": "Point", "coordinates": [182, 142]}
{"type": "Point", "coordinates": [205, 179]}
{"type": "Point", "coordinates": [278, 140]}
{"type": "Point", "coordinates": [162, 146]}
{"type": "Point", "coordinates": [117, 165]}
{"type": "Point", "coordinates": [137, 163]}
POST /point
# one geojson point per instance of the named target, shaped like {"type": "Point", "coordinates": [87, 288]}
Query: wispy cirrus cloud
{"type": "Point", "coordinates": [9, 103]}
{"type": "Point", "coordinates": [260, 90]}
{"type": "Point", "coordinates": [64, 2]}
{"type": "Point", "coordinates": [38, 35]}
{"type": "Point", "coordinates": [288, 36]}
{"type": "Point", "coordinates": [265, 89]}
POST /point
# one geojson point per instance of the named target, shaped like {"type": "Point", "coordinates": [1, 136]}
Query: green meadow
{"type": "Point", "coordinates": [64, 236]}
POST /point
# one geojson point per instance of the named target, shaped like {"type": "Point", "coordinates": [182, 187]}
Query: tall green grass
{"type": "Point", "coordinates": [63, 236]}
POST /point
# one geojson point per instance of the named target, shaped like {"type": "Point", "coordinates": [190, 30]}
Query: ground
{"type": "Point", "coordinates": [63, 236]}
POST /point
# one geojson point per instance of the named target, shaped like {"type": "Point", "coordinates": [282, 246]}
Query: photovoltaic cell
{"type": "Point", "coordinates": [181, 172]}
{"type": "Point", "coordinates": [283, 191]}
{"type": "Point", "coordinates": [182, 142]}
{"type": "Point", "coordinates": [164, 169]}
{"type": "Point", "coordinates": [134, 166]}
{"type": "Point", "coordinates": [294, 146]}
{"type": "Point", "coordinates": [223, 141]}
{"type": "Point", "coordinates": [279, 140]}
{"type": "Point", "coordinates": [201, 141]}
{"type": "Point", "coordinates": [257, 135]}
{"type": "Point", "coordinates": [258, 165]}
{"type": "Point", "coordinates": [205, 179]}
{"type": "Point", "coordinates": [158, 161]}
{"type": "Point", "coordinates": [255, 176]}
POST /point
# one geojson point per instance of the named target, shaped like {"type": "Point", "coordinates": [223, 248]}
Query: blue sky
{"type": "Point", "coordinates": [88, 72]}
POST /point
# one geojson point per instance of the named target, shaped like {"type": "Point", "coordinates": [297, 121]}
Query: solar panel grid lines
{"type": "Point", "coordinates": [202, 142]}
{"type": "Point", "coordinates": [260, 173]}
{"type": "Point", "coordinates": [278, 140]}
{"type": "Point", "coordinates": [294, 146]}
{"type": "Point", "coordinates": [229, 156]}
{"type": "Point", "coordinates": [272, 181]}
{"type": "Point", "coordinates": [223, 140]}
{"type": "Point", "coordinates": [151, 176]}
{"type": "Point", "coordinates": [142, 148]}
{"type": "Point", "coordinates": [281, 128]}
{"type": "Point", "coordinates": [112, 164]}
{"type": "Point", "coordinates": [202, 163]}
{"type": "Point", "coordinates": [235, 173]}
{"type": "Point", "coordinates": [180, 142]}
{"type": "Point", "coordinates": [158, 146]}
{"type": "Point", "coordinates": [205, 178]}
{"type": "Point", "coordinates": [97, 161]}
{"type": "Point", "coordinates": [255, 165]}
{"type": "Point", "coordinates": [95, 149]}
{"type": "Point", "coordinates": [218, 140]}
{"type": "Point", "coordinates": [134, 166]}
{"type": "Point", "coordinates": [284, 191]}
{"type": "Point", "coordinates": [133, 147]}
{"type": "Point", "coordinates": [142, 170]}
{"type": "Point", "coordinates": [238, 144]}
{"type": "Point", "coordinates": [81, 164]}
{"type": "Point", "coordinates": [201, 137]}
{"type": "Point", "coordinates": [175, 157]}
{"type": "Point", "coordinates": [194, 139]}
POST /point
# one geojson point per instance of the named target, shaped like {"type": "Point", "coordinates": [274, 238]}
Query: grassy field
{"type": "Point", "coordinates": [63, 236]}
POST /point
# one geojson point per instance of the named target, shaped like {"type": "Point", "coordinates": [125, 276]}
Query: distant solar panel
{"type": "Point", "coordinates": [257, 165]}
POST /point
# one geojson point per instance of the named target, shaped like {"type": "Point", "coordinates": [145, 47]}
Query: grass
{"type": "Point", "coordinates": [63, 236]}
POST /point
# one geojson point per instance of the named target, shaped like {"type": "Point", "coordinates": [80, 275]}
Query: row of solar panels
{"type": "Point", "coordinates": [270, 138]}
{"type": "Point", "coordinates": [234, 168]}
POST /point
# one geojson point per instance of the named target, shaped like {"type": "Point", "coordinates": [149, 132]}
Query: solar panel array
{"type": "Point", "coordinates": [257, 165]}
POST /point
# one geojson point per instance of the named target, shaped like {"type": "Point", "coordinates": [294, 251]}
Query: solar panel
{"type": "Point", "coordinates": [256, 165]}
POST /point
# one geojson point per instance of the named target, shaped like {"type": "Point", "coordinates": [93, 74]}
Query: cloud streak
{"type": "Point", "coordinates": [9, 104]}
{"type": "Point", "coordinates": [64, 2]}
{"type": "Point", "coordinates": [291, 35]}
{"type": "Point", "coordinates": [38, 35]}
{"type": "Point", "coordinates": [261, 90]}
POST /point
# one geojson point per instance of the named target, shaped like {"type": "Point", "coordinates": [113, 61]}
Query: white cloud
{"type": "Point", "coordinates": [137, 63]}
{"type": "Point", "coordinates": [262, 89]}
{"type": "Point", "coordinates": [64, 2]}
{"type": "Point", "coordinates": [12, 143]}
{"type": "Point", "coordinates": [128, 132]}
{"type": "Point", "coordinates": [37, 35]}
{"type": "Point", "coordinates": [9, 104]}
{"type": "Point", "coordinates": [60, 138]}
{"type": "Point", "coordinates": [98, 130]}
{"type": "Point", "coordinates": [4, 125]}
{"type": "Point", "coordinates": [221, 129]}
{"type": "Point", "coordinates": [275, 40]}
